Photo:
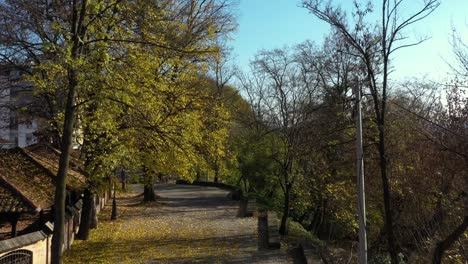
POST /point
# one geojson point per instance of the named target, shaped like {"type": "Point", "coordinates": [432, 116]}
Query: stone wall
{"type": "Point", "coordinates": [39, 242]}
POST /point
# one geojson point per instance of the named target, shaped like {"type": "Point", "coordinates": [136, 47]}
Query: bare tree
{"type": "Point", "coordinates": [375, 45]}
{"type": "Point", "coordinates": [280, 93]}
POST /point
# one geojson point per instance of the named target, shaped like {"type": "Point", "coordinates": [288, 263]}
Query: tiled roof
{"type": "Point", "coordinates": [25, 180]}
{"type": "Point", "coordinates": [49, 158]}
{"type": "Point", "coordinates": [11, 203]}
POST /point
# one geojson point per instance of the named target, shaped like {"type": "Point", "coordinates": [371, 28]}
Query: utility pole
{"type": "Point", "coordinates": [360, 179]}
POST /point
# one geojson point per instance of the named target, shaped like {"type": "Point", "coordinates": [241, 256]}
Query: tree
{"type": "Point", "coordinates": [221, 72]}
{"type": "Point", "coordinates": [282, 98]}
{"type": "Point", "coordinates": [327, 211]}
{"type": "Point", "coordinates": [375, 46]}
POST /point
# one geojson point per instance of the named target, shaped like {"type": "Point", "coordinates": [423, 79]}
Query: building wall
{"type": "Point", "coordinates": [41, 251]}
{"type": "Point", "coordinates": [25, 134]}
{"type": "Point", "coordinates": [40, 244]}
{"type": "Point", "coordinates": [4, 111]}
{"type": "Point", "coordinates": [13, 129]}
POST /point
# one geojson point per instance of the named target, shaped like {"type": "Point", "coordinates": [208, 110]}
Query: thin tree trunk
{"type": "Point", "coordinates": [216, 177]}
{"type": "Point", "coordinates": [284, 218]}
{"type": "Point", "coordinates": [94, 218]}
{"type": "Point", "coordinates": [387, 197]}
{"type": "Point", "coordinates": [263, 241]}
{"type": "Point", "coordinates": [14, 224]}
{"type": "Point", "coordinates": [445, 244]}
{"type": "Point", "coordinates": [243, 202]}
{"type": "Point", "coordinates": [124, 179]}
{"type": "Point", "coordinates": [114, 206]}
{"type": "Point", "coordinates": [86, 214]}
{"type": "Point", "coordinates": [77, 32]}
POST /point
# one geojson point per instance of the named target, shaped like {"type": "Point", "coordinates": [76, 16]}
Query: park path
{"type": "Point", "coordinates": [188, 224]}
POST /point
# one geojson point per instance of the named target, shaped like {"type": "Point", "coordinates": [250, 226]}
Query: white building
{"type": "Point", "coordinates": [16, 128]}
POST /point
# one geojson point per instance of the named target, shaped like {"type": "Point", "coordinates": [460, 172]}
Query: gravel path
{"type": "Point", "coordinates": [210, 214]}
{"type": "Point", "coordinates": [188, 224]}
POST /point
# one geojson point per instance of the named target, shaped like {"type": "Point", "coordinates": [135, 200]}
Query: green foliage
{"type": "Point", "coordinates": [140, 98]}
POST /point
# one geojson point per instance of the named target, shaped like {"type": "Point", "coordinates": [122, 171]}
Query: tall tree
{"type": "Point", "coordinates": [375, 45]}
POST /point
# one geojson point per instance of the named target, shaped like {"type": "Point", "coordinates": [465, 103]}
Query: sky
{"type": "Point", "coordinates": [269, 24]}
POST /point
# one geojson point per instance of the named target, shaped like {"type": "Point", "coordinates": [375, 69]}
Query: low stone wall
{"type": "Point", "coordinates": [235, 194]}
{"type": "Point", "coordinates": [39, 242]}
{"type": "Point", "coordinates": [208, 184]}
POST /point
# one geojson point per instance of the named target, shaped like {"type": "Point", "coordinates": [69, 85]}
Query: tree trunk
{"type": "Point", "coordinates": [216, 177]}
{"type": "Point", "coordinates": [297, 254]}
{"type": "Point", "coordinates": [263, 232]}
{"type": "Point", "coordinates": [387, 196]}
{"type": "Point", "coordinates": [148, 194]}
{"type": "Point", "coordinates": [60, 187]}
{"type": "Point", "coordinates": [445, 244]}
{"type": "Point", "coordinates": [243, 207]}
{"type": "Point", "coordinates": [284, 218]}
{"type": "Point", "coordinates": [78, 32]}
{"type": "Point", "coordinates": [94, 218]}
{"type": "Point", "coordinates": [114, 206]}
{"type": "Point", "coordinates": [86, 214]}
{"type": "Point", "coordinates": [14, 224]}
{"type": "Point", "coordinates": [124, 180]}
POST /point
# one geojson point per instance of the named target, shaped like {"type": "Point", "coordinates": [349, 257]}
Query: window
{"type": "Point", "coordinates": [13, 121]}
{"type": "Point", "coordinates": [29, 139]}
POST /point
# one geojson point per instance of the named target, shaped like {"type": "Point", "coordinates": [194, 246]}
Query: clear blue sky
{"type": "Point", "coordinates": [268, 24]}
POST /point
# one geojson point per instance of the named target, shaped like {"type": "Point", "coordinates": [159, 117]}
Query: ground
{"type": "Point", "coordinates": [188, 224]}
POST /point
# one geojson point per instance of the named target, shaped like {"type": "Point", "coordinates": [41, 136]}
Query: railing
{"type": "Point", "coordinates": [17, 257]}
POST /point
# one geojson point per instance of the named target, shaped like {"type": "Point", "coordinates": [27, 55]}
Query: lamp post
{"type": "Point", "coordinates": [360, 179]}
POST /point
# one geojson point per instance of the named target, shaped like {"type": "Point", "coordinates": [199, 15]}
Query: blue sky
{"type": "Point", "coordinates": [268, 24]}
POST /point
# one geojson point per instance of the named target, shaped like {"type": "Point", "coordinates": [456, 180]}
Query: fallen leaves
{"type": "Point", "coordinates": [153, 233]}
